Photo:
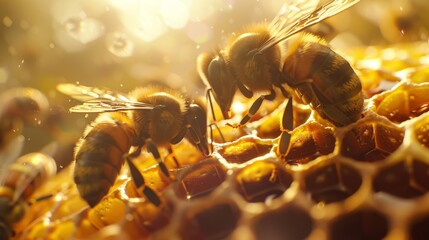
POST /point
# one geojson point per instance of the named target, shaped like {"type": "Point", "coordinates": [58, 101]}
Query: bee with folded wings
{"type": "Point", "coordinates": [149, 116]}
{"type": "Point", "coordinates": [256, 61]}
{"type": "Point", "coordinates": [19, 178]}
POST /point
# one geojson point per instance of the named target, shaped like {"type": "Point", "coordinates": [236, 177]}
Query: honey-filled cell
{"type": "Point", "coordinates": [200, 180]}
{"type": "Point", "coordinates": [371, 141]}
{"type": "Point", "coordinates": [147, 216]}
{"type": "Point", "coordinates": [401, 181]}
{"type": "Point", "coordinates": [289, 222]}
{"type": "Point", "coordinates": [420, 174]}
{"type": "Point", "coordinates": [421, 131]}
{"type": "Point", "coordinates": [244, 149]}
{"type": "Point", "coordinates": [420, 75]}
{"type": "Point", "coordinates": [308, 142]}
{"type": "Point", "coordinates": [224, 133]}
{"type": "Point", "coordinates": [215, 221]}
{"type": "Point", "coordinates": [360, 224]}
{"type": "Point", "coordinates": [262, 180]}
{"type": "Point", "coordinates": [403, 103]}
{"type": "Point", "coordinates": [376, 81]}
{"type": "Point", "coordinates": [418, 229]}
{"type": "Point", "coordinates": [331, 183]}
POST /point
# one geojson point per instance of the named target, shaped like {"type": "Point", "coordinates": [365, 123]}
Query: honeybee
{"type": "Point", "coordinates": [259, 60]}
{"type": "Point", "coordinates": [19, 178]}
{"type": "Point", "coordinates": [152, 116]}
{"type": "Point", "coordinates": [19, 106]}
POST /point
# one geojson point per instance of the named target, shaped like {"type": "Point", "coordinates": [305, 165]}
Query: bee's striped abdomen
{"type": "Point", "coordinates": [100, 156]}
{"type": "Point", "coordinates": [326, 81]}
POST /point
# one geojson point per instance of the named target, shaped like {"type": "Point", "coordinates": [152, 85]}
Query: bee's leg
{"type": "Point", "coordinates": [170, 151]}
{"type": "Point", "coordinates": [244, 90]}
{"type": "Point", "coordinates": [42, 198]}
{"type": "Point", "coordinates": [218, 129]}
{"type": "Point", "coordinates": [209, 100]}
{"type": "Point", "coordinates": [211, 134]}
{"type": "Point", "coordinates": [254, 108]}
{"type": "Point", "coordinates": [198, 140]}
{"type": "Point", "coordinates": [139, 181]}
{"type": "Point", "coordinates": [178, 137]}
{"type": "Point", "coordinates": [152, 148]}
{"type": "Point", "coordinates": [284, 92]}
{"type": "Point", "coordinates": [286, 127]}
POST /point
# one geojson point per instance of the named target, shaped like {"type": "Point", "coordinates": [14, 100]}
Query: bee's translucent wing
{"type": "Point", "coordinates": [291, 11]}
{"type": "Point", "coordinates": [106, 105]}
{"type": "Point", "coordinates": [301, 16]}
{"type": "Point", "coordinates": [9, 153]}
{"type": "Point", "coordinates": [85, 93]}
{"type": "Point", "coordinates": [97, 100]}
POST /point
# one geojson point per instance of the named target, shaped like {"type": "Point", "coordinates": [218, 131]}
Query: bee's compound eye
{"type": "Point", "coordinates": [222, 83]}
{"type": "Point", "coordinates": [215, 71]}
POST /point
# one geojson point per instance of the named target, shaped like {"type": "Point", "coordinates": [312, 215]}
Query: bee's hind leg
{"type": "Point", "coordinates": [286, 128]}
{"type": "Point", "coordinates": [138, 178]}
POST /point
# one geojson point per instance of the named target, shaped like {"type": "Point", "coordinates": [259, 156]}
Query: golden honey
{"type": "Point", "coordinates": [368, 179]}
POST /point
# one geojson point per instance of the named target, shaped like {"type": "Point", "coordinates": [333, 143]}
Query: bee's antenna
{"type": "Point", "coordinates": [209, 99]}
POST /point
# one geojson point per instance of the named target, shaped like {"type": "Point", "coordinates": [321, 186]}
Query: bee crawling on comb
{"type": "Point", "coordinates": [151, 116]}
{"type": "Point", "coordinates": [260, 60]}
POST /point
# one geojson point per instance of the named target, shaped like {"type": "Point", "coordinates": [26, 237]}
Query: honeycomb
{"type": "Point", "coordinates": [368, 180]}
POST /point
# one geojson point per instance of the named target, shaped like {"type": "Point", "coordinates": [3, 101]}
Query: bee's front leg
{"type": "Point", "coordinates": [254, 109]}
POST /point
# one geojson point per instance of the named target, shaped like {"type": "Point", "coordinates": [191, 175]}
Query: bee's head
{"type": "Point", "coordinates": [214, 72]}
{"type": "Point", "coordinates": [197, 119]}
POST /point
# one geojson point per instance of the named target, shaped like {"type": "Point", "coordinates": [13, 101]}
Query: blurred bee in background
{"type": "Point", "coordinates": [149, 116]}
{"type": "Point", "coordinates": [259, 59]}
{"type": "Point", "coordinates": [19, 106]}
{"type": "Point", "coordinates": [19, 178]}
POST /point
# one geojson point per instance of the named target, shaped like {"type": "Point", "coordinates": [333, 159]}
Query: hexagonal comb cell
{"type": "Point", "coordinates": [361, 224]}
{"type": "Point", "coordinates": [422, 132]}
{"type": "Point", "coordinates": [403, 180]}
{"type": "Point", "coordinates": [261, 180]}
{"type": "Point", "coordinates": [332, 183]}
{"type": "Point", "coordinates": [404, 103]}
{"type": "Point", "coordinates": [211, 222]}
{"type": "Point", "coordinates": [421, 75]}
{"type": "Point", "coordinates": [310, 141]}
{"type": "Point", "coordinates": [289, 222]}
{"type": "Point", "coordinates": [200, 180]}
{"type": "Point", "coordinates": [375, 81]}
{"type": "Point", "coordinates": [244, 149]}
{"type": "Point", "coordinates": [419, 228]}
{"type": "Point", "coordinates": [371, 141]}
{"type": "Point", "coordinates": [420, 172]}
